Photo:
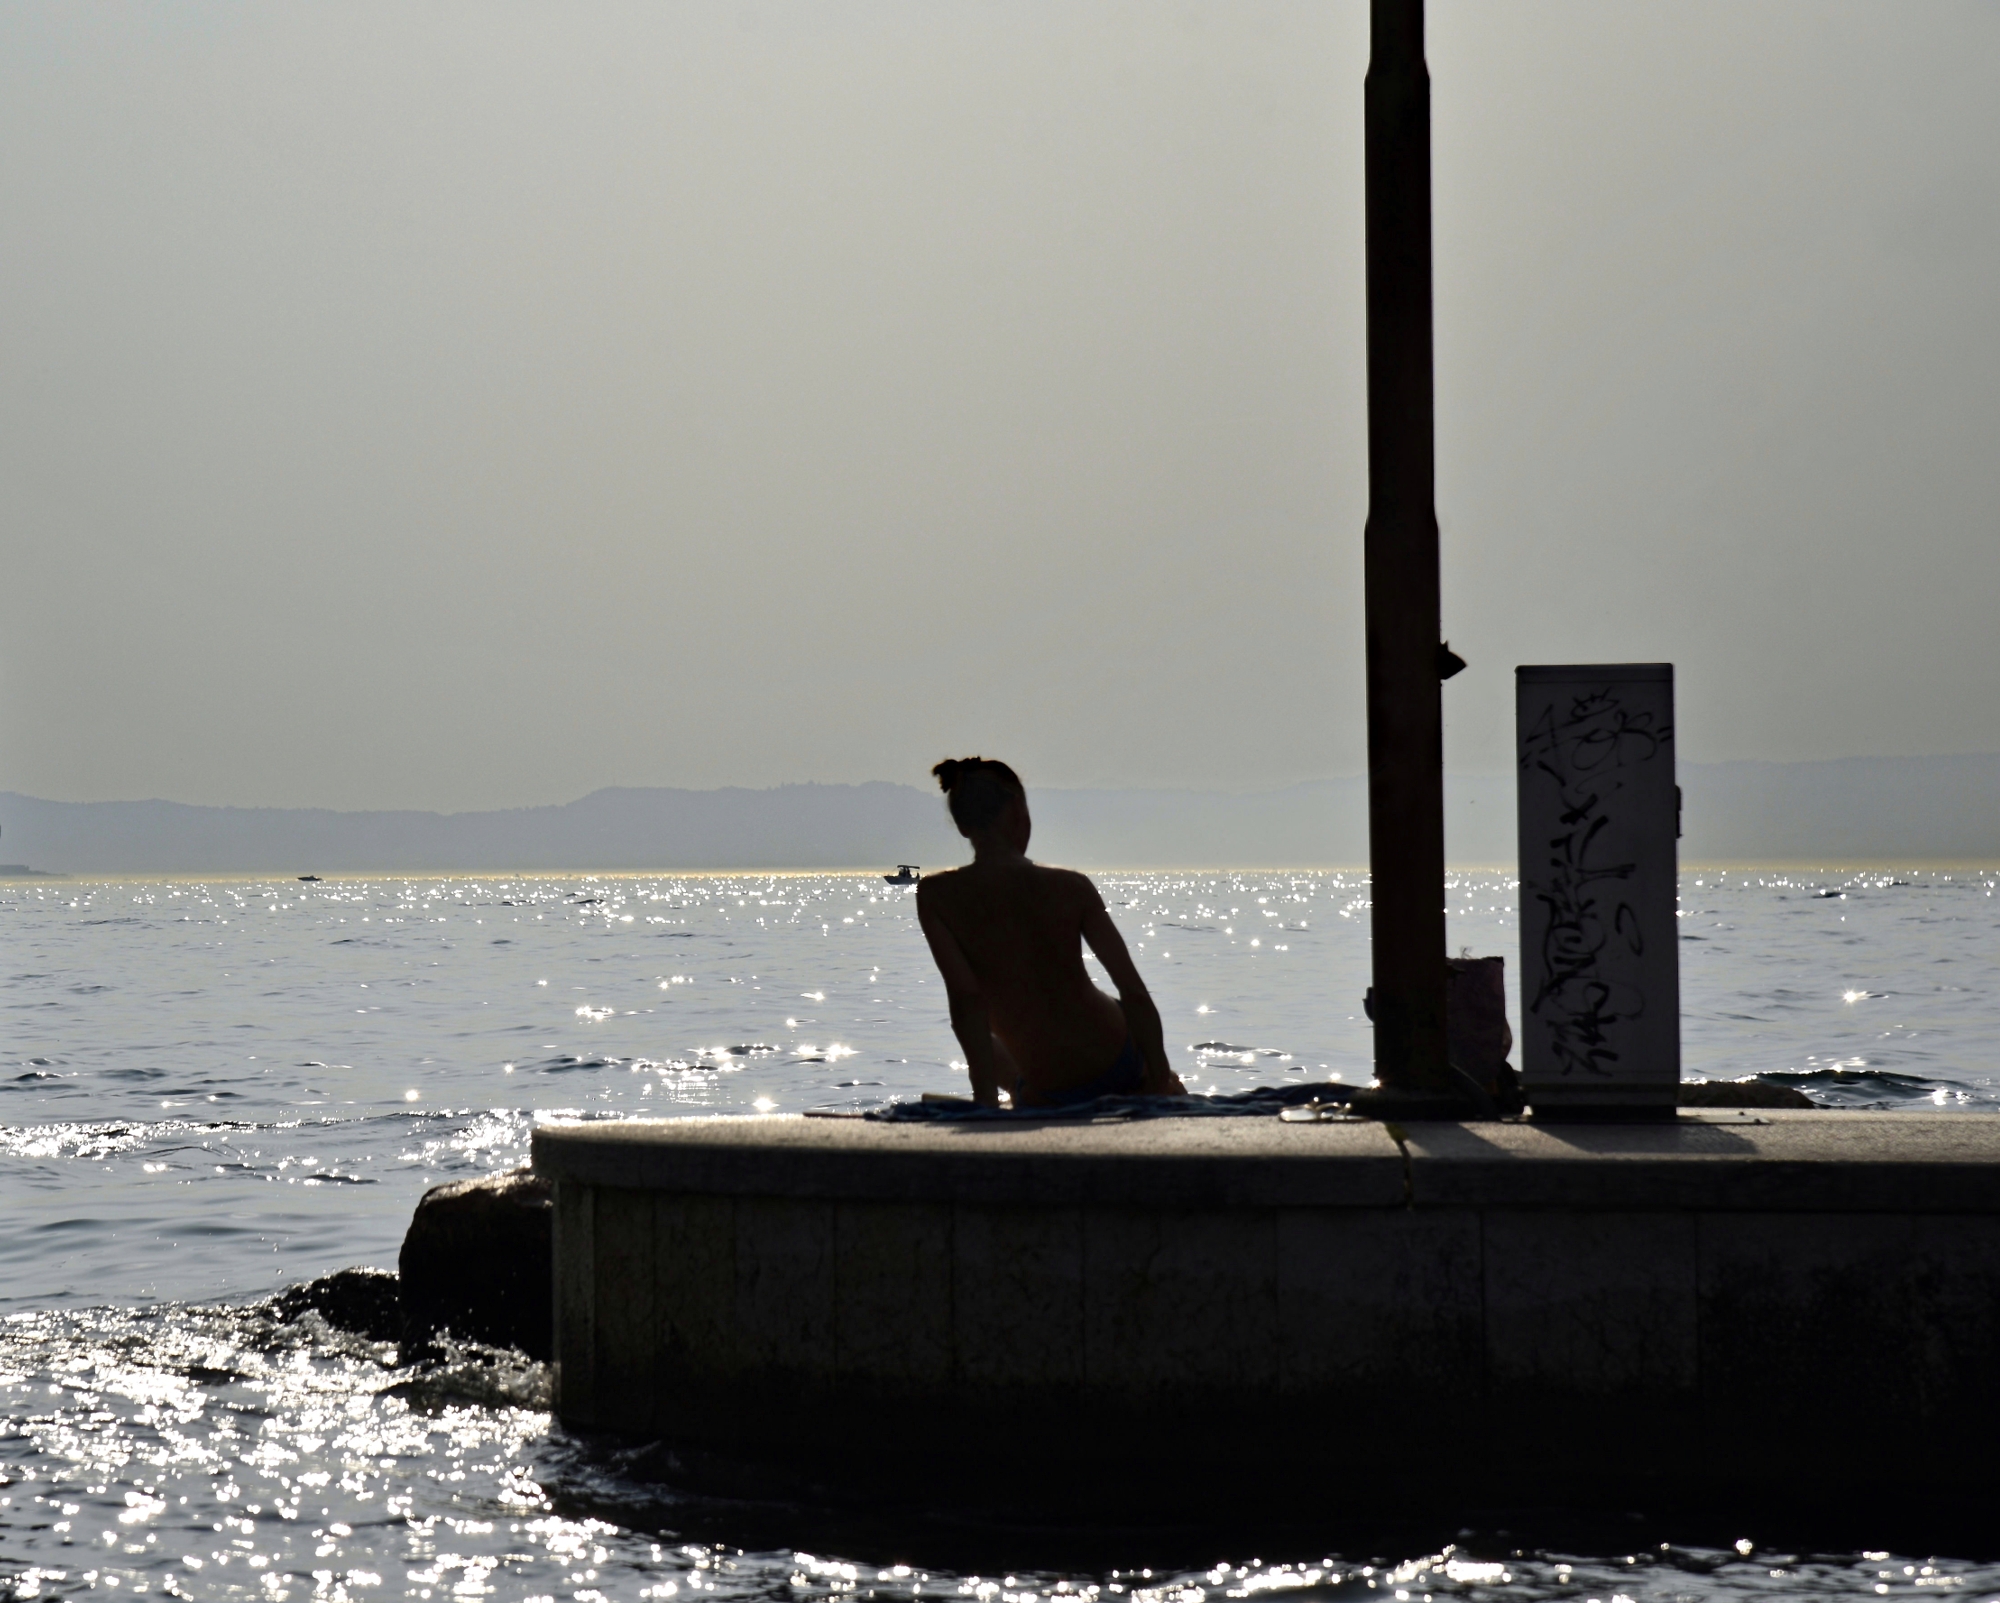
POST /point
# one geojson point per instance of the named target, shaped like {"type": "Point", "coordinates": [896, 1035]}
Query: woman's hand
{"type": "Point", "coordinates": [1142, 1018]}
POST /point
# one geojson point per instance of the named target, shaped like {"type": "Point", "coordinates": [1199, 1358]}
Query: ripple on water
{"type": "Point", "coordinates": [216, 1451]}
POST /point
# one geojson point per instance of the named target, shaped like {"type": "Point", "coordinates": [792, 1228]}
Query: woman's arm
{"type": "Point", "coordinates": [968, 1006]}
{"type": "Point", "coordinates": [1141, 1016]}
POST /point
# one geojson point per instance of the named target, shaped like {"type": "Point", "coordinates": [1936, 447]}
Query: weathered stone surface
{"type": "Point", "coordinates": [784, 1286]}
{"type": "Point", "coordinates": [1178, 1163]}
{"type": "Point", "coordinates": [366, 1302]}
{"type": "Point", "coordinates": [1378, 1306]}
{"type": "Point", "coordinates": [574, 1248]}
{"type": "Point", "coordinates": [477, 1261]}
{"type": "Point", "coordinates": [1017, 1295]}
{"type": "Point", "coordinates": [1585, 1312]}
{"type": "Point", "coordinates": [1838, 1160]}
{"type": "Point", "coordinates": [1809, 1327]}
{"type": "Point", "coordinates": [1827, 1161]}
{"type": "Point", "coordinates": [892, 1294]}
{"type": "Point", "coordinates": [1179, 1304]}
{"type": "Point", "coordinates": [694, 1279]}
{"type": "Point", "coordinates": [625, 1298]}
{"type": "Point", "coordinates": [1591, 1340]}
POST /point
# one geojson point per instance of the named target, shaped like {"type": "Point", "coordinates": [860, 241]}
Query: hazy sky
{"type": "Point", "coordinates": [467, 405]}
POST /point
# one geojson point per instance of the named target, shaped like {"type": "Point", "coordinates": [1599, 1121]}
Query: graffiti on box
{"type": "Point", "coordinates": [1587, 747]}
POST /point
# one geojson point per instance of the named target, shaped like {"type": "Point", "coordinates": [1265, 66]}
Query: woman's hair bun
{"type": "Point", "coordinates": [979, 788]}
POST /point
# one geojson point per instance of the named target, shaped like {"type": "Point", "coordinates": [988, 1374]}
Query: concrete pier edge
{"type": "Point", "coordinates": [1592, 1314]}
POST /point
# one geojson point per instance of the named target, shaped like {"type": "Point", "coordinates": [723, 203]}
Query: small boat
{"type": "Point", "coordinates": [309, 879]}
{"type": "Point", "coordinates": [906, 874]}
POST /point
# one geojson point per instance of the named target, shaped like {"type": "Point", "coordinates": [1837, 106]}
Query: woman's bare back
{"type": "Point", "coordinates": [1019, 928]}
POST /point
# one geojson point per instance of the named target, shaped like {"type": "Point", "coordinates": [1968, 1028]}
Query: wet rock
{"type": "Point", "coordinates": [476, 1262]}
{"type": "Point", "coordinates": [1742, 1094]}
{"type": "Point", "coordinates": [366, 1302]}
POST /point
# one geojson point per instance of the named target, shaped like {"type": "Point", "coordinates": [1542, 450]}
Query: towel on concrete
{"type": "Point", "coordinates": [1262, 1102]}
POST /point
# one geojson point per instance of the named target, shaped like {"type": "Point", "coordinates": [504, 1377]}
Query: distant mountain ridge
{"type": "Point", "coordinates": [1849, 809]}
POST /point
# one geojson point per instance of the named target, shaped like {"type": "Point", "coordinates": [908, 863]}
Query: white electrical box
{"type": "Point", "coordinates": [1600, 949]}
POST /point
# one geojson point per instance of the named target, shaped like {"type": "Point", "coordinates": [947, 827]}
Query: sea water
{"type": "Point", "coordinates": [211, 1090]}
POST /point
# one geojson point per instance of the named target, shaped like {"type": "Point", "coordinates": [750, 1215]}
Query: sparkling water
{"type": "Point", "coordinates": [215, 1089]}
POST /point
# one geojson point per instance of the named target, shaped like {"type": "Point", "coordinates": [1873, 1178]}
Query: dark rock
{"type": "Point", "coordinates": [477, 1262]}
{"type": "Point", "coordinates": [1742, 1094]}
{"type": "Point", "coordinates": [363, 1301]}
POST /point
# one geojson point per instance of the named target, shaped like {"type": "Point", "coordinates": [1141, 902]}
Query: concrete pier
{"type": "Point", "coordinates": [1100, 1318]}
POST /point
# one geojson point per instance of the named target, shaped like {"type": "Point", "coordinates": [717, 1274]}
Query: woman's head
{"type": "Point", "coordinates": [978, 790]}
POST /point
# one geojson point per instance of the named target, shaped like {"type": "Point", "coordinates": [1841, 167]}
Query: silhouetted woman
{"type": "Point", "coordinates": [1008, 936]}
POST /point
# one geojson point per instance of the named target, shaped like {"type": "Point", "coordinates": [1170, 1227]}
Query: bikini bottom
{"type": "Point", "coordinates": [1125, 1077]}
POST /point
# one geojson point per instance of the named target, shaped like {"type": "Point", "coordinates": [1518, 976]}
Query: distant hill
{"type": "Point", "coordinates": [790, 826]}
{"type": "Point", "coordinates": [1850, 809]}
{"type": "Point", "coordinates": [803, 826]}
{"type": "Point", "coordinates": [1853, 809]}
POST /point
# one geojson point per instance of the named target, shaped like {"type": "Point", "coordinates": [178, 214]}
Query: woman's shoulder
{"type": "Point", "coordinates": [1070, 884]}
{"type": "Point", "coordinates": [941, 884]}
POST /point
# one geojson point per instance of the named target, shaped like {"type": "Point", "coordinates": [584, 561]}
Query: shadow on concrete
{"type": "Point", "coordinates": [1515, 1139]}
{"type": "Point", "coordinates": [1614, 1140]}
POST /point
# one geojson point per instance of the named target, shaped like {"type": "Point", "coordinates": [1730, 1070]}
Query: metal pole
{"type": "Point", "coordinates": [1405, 658]}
